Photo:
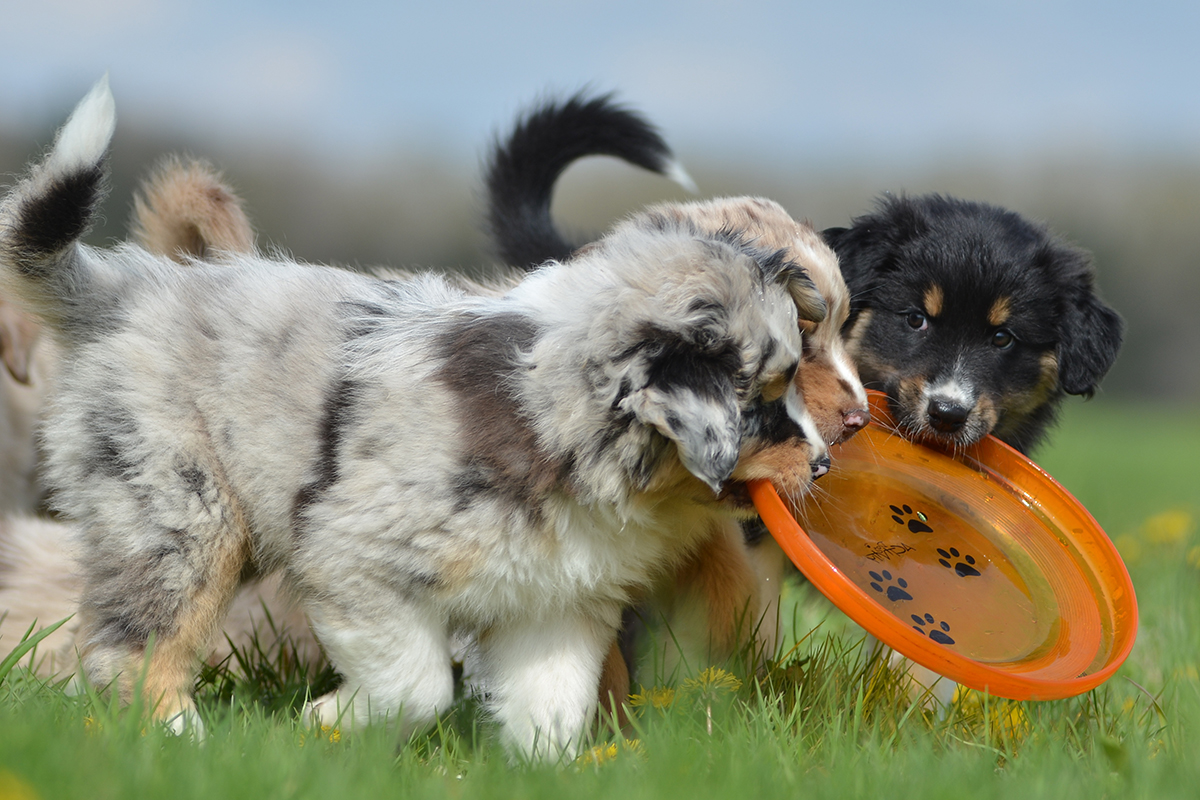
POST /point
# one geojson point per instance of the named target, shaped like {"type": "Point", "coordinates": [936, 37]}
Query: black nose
{"type": "Point", "coordinates": [821, 467]}
{"type": "Point", "coordinates": [947, 417]}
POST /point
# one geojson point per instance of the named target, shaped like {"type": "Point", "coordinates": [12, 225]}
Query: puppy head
{"type": "Point", "coordinates": [972, 319]}
{"type": "Point", "coordinates": [691, 355]}
{"type": "Point", "coordinates": [827, 378]}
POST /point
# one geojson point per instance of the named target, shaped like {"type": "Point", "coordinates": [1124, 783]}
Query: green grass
{"type": "Point", "coordinates": [830, 721]}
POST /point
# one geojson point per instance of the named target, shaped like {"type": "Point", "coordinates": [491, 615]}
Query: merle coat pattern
{"type": "Point", "coordinates": [416, 460]}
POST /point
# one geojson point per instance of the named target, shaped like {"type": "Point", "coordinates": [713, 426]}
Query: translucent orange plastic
{"type": "Point", "coordinates": [977, 565]}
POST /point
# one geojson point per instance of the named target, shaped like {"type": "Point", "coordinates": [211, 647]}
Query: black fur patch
{"type": "Point", "coordinates": [114, 430]}
{"type": "Point", "coordinates": [55, 218]}
{"type": "Point", "coordinates": [701, 364]}
{"type": "Point", "coordinates": [340, 401]}
{"type": "Point", "coordinates": [770, 423]}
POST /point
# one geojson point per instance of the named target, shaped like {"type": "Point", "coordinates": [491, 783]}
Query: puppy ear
{"type": "Point", "coordinates": [18, 334]}
{"type": "Point", "coordinates": [1090, 332]}
{"type": "Point", "coordinates": [705, 429]}
{"type": "Point", "coordinates": [1091, 335]}
{"type": "Point", "coordinates": [810, 304]}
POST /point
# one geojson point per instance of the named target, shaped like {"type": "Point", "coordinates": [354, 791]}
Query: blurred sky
{"type": "Point", "coordinates": [869, 79]}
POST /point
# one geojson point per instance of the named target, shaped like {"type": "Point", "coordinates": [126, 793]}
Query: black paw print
{"type": "Point", "coordinates": [915, 524]}
{"type": "Point", "coordinates": [894, 592]}
{"type": "Point", "coordinates": [964, 568]}
{"type": "Point", "coordinates": [940, 632]}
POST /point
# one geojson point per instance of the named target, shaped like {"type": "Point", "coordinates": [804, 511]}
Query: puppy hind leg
{"type": "Point", "coordinates": [544, 676]}
{"type": "Point", "coordinates": [159, 579]}
{"type": "Point", "coordinates": [395, 658]}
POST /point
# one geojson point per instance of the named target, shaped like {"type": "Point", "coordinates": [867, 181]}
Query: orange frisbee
{"type": "Point", "coordinates": [977, 565]}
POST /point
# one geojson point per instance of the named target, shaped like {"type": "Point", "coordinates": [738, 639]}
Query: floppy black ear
{"type": "Point", "coordinates": [1091, 335]}
{"type": "Point", "coordinates": [868, 246]}
{"type": "Point", "coordinates": [1090, 332]}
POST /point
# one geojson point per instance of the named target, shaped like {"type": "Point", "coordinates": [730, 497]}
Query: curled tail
{"type": "Point", "coordinates": [185, 209]}
{"type": "Point", "coordinates": [522, 170]}
{"type": "Point", "coordinates": [43, 217]}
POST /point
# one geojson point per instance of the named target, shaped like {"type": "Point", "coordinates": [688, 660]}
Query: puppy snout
{"type": "Point", "coordinates": [821, 466]}
{"type": "Point", "coordinates": [855, 420]}
{"type": "Point", "coordinates": [946, 416]}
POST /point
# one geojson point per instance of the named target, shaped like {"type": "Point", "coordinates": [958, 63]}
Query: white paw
{"type": "Point", "coordinates": [187, 723]}
{"type": "Point", "coordinates": [326, 711]}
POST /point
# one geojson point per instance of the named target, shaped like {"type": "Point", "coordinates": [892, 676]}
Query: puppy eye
{"type": "Point", "coordinates": [1003, 339]}
{"type": "Point", "coordinates": [917, 321]}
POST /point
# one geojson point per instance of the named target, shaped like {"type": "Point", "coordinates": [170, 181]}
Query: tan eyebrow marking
{"type": "Point", "coordinates": [933, 300]}
{"type": "Point", "coordinates": [1000, 312]}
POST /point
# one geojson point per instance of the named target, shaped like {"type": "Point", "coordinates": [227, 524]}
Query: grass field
{"type": "Point", "coordinates": [828, 722]}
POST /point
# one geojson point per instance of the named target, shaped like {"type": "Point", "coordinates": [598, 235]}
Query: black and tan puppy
{"type": "Point", "coordinates": [971, 318]}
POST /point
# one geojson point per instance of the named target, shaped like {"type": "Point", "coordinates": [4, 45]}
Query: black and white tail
{"type": "Point", "coordinates": [521, 171]}
{"type": "Point", "coordinates": [43, 217]}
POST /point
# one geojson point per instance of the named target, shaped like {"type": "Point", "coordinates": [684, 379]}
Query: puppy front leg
{"type": "Point", "coordinates": [544, 675]}
{"type": "Point", "coordinates": [395, 657]}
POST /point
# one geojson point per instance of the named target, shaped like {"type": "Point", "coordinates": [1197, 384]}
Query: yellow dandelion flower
{"type": "Point", "coordinates": [713, 679]}
{"type": "Point", "coordinates": [598, 755]}
{"type": "Point", "coordinates": [1193, 556]}
{"type": "Point", "coordinates": [604, 753]}
{"type": "Point", "coordinates": [327, 732]}
{"type": "Point", "coordinates": [1168, 527]}
{"type": "Point", "coordinates": [656, 697]}
{"type": "Point", "coordinates": [1006, 718]}
{"type": "Point", "coordinates": [14, 788]}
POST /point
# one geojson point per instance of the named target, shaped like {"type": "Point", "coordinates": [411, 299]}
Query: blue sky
{"type": "Point", "coordinates": [841, 81]}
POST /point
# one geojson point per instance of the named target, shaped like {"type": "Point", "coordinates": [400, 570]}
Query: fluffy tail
{"type": "Point", "coordinates": [185, 209]}
{"type": "Point", "coordinates": [522, 170]}
{"type": "Point", "coordinates": [44, 216]}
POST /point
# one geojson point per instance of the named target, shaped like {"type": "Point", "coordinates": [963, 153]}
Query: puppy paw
{"type": "Point", "coordinates": [187, 723]}
{"type": "Point", "coordinates": [326, 711]}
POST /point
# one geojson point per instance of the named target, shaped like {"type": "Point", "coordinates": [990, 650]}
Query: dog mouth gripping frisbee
{"type": "Point", "coordinates": [977, 565]}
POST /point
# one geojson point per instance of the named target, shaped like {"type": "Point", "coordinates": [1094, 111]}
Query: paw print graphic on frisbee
{"type": "Point", "coordinates": [1009, 585]}
{"type": "Point", "coordinates": [903, 515]}
{"type": "Point", "coordinates": [928, 626]}
{"type": "Point", "coordinates": [963, 569]}
{"type": "Point", "coordinates": [882, 583]}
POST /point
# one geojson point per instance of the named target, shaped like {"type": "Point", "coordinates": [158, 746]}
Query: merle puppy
{"type": "Point", "coordinates": [418, 462]}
